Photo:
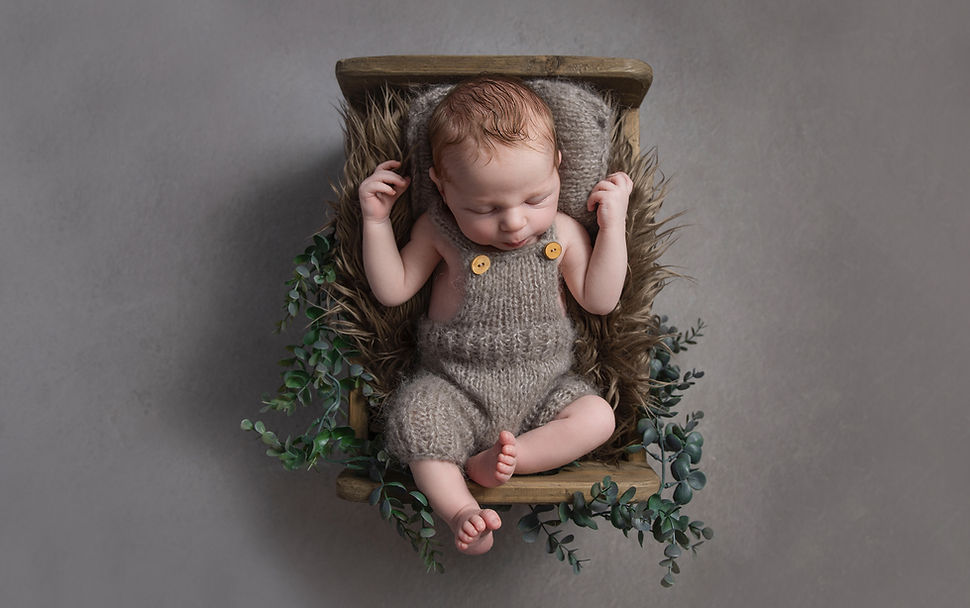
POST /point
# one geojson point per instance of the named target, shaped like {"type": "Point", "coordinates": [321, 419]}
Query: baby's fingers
{"type": "Point", "coordinates": [621, 179]}
{"type": "Point", "coordinates": [387, 165]}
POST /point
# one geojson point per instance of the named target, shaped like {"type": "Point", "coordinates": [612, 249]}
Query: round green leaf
{"type": "Point", "coordinates": [680, 468]}
{"type": "Point", "coordinates": [673, 442]}
{"type": "Point", "coordinates": [246, 425]}
{"type": "Point", "coordinates": [672, 551]}
{"type": "Point", "coordinates": [695, 437]}
{"type": "Point", "coordinates": [682, 493]}
{"type": "Point", "coordinates": [693, 450]}
{"type": "Point", "coordinates": [697, 480]}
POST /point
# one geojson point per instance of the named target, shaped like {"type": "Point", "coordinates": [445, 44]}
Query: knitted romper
{"type": "Point", "coordinates": [502, 363]}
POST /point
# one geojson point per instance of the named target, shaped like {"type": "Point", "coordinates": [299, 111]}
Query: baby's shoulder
{"type": "Point", "coordinates": [568, 229]}
{"type": "Point", "coordinates": [425, 229]}
{"type": "Point", "coordinates": [429, 232]}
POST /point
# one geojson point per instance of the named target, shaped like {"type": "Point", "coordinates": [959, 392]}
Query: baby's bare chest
{"type": "Point", "coordinates": [452, 278]}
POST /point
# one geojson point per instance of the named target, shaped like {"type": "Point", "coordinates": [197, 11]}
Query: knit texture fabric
{"type": "Point", "coordinates": [502, 363]}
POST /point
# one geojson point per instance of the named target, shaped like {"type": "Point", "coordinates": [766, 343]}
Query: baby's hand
{"type": "Point", "coordinates": [610, 198]}
{"type": "Point", "coordinates": [378, 192]}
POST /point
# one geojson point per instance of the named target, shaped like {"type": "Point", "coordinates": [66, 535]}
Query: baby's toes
{"type": "Point", "coordinates": [474, 526]}
{"type": "Point", "coordinates": [464, 536]}
{"type": "Point", "coordinates": [492, 519]}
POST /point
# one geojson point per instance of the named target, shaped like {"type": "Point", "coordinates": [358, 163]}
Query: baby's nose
{"type": "Point", "coordinates": [513, 220]}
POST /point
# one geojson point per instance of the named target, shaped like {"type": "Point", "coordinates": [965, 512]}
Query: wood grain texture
{"type": "Point", "coordinates": [627, 80]}
{"type": "Point", "coordinates": [529, 489]}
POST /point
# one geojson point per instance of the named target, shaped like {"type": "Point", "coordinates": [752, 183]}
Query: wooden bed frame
{"type": "Point", "coordinates": [626, 81]}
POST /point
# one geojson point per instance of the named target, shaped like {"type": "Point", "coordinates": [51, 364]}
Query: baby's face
{"type": "Point", "coordinates": [505, 198]}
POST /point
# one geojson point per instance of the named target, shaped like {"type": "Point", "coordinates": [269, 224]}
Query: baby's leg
{"type": "Point", "coordinates": [581, 427]}
{"type": "Point", "coordinates": [444, 485]}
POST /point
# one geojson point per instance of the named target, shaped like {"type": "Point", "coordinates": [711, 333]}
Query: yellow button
{"type": "Point", "coordinates": [480, 264]}
{"type": "Point", "coordinates": [553, 250]}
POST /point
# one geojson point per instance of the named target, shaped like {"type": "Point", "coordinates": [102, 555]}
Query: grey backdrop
{"type": "Point", "coordinates": [161, 163]}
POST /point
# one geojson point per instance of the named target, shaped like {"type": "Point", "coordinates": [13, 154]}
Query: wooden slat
{"type": "Point", "coordinates": [529, 489]}
{"type": "Point", "coordinates": [626, 79]}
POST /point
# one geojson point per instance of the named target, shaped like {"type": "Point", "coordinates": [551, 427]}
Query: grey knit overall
{"type": "Point", "coordinates": [502, 363]}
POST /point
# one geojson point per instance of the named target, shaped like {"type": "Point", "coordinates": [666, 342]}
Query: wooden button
{"type": "Point", "coordinates": [480, 264]}
{"type": "Point", "coordinates": [553, 249]}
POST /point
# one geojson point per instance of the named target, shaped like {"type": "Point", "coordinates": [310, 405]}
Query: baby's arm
{"type": "Point", "coordinates": [595, 274]}
{"type": "Point", "coordinates": [394, 276]}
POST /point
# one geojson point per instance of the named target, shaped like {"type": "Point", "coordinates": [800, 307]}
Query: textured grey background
{"type": "Point", "coordinates": [160, 164]}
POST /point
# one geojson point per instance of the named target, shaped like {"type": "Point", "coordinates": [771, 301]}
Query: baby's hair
{"type": "Point", "coordinates": [490, 110]}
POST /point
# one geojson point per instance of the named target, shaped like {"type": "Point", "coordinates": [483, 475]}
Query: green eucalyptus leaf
{"type": "Point", "coordinates": [246, 425]}
{"type": "Point", "coordinates": [295, 379]}
{"type": "Point", "coordinates": [708, 533]}
{"type": "Point", "coordinates": [693, 451]}
{"type": "Point", "coordinates": [531, 535]}
{"type": "Point", "coordinates": [628, 495]}
{"type": "Point", "coordinates": [682, 493]}
{"type": "Point", "coordinates": [681, 538]}
{"type": "Point", "coordinates": [418, 496]}
{"type": "Point", "coordinates": [672, 551]}
{"type": "Point", "coordinates": [680, 468]}
{"type": "Point", "coordinates": [528, 522]}
{"type": "Point", "coordinates": [697, 480]}
{"type": "Point", "coordinates": [374, 497]}
{"type": "Point", "coordinates": [259, 427]}
{"type": "Point", "coordinates": [563, 512]}
{"type": "Point", "coordinates": [427, 532]}
{"type": "Point", "coordinates": [615, 517]}
{"type": "Point", "coordinates": [650, 435]}
{"type": "Point", "coordinates": [673, 442]}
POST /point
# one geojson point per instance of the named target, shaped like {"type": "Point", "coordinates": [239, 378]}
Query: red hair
{"type": "Point", "coordinates": [490, 110]}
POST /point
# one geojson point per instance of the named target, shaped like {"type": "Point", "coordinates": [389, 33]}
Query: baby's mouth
{"type": "Point", "coordinates": [517, 244]}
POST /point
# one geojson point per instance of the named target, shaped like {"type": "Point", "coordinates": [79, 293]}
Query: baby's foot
{"type": "Point", "coordinates": [473, 529]}
{"type": "Point", "coordinates": [494, 466]}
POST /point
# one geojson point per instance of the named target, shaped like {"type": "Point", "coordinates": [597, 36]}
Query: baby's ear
{"type": "Point", "coordinates": [436, 179]}
{"type": "Point", "coordinates": [558, 158]}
